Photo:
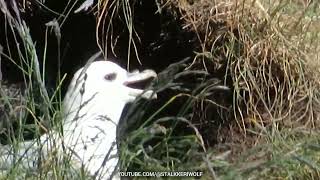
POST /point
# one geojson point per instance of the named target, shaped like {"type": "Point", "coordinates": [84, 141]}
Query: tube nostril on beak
{"type": "Point", "coordinates": [140, 80]}
{"type": "Point", "coordinates": [141, 84]}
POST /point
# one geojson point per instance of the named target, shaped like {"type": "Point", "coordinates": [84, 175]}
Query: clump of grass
{"type": "Point", "coordinates": [272, 82]}
{"type": "Point", "coordinates": [292, 155]}
{"type": "Point", "coordinates": [30, 102]}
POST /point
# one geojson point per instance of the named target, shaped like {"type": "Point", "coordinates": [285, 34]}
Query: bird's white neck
{"type": "Point", "coordinates": [95, 108]}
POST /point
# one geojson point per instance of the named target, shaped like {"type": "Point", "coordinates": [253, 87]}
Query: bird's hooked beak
{"type": "Point", "coordinates": [137, 82]}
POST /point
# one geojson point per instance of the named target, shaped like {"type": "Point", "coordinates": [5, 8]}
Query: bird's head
{"type": "Point", "coordinates": [105, 81]}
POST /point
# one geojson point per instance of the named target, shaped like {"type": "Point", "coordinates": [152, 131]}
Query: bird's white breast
{"type": "Point", "coordinates": [90, 132]}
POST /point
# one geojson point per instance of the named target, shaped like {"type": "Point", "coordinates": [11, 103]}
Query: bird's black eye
{"type": "Point", "coordinates": [110, 77]}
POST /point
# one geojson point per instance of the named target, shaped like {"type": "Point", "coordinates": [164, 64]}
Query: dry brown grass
{"type": "Point", "coordinates": [266, 57]}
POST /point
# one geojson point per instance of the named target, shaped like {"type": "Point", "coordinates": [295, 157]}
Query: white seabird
{"type": "Point", "coordinates": [92, 108]}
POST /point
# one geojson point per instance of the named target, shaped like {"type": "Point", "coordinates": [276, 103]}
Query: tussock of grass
{"type": "Point", "coordinates": [26, 101]}
{"type": "Point", "coordinates": [272, 83]}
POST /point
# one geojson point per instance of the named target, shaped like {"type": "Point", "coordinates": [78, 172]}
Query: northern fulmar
{"type": "Point", "coordinates": [92, 108]}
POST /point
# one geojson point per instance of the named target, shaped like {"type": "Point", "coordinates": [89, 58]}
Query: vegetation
{"type": "Point", "coordinates": [243, 104]}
